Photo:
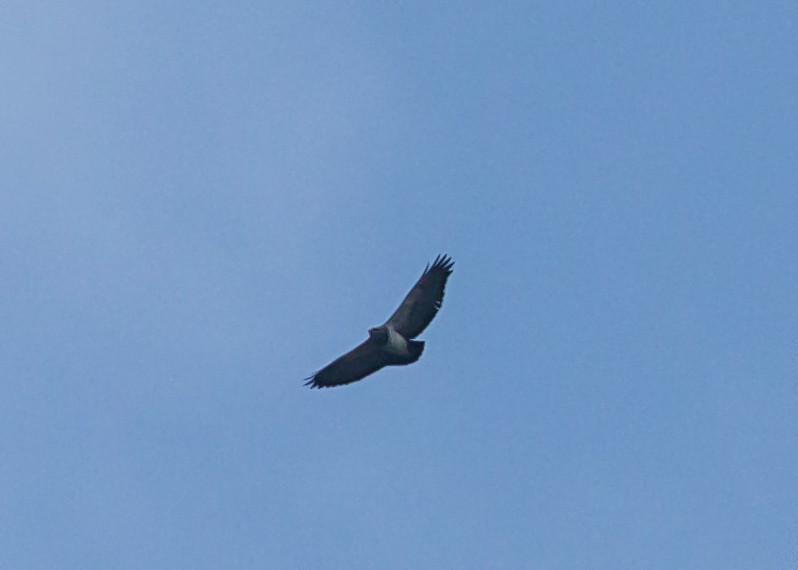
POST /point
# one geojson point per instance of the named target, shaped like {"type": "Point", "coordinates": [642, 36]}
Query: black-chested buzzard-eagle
{"type": "Point", "coordinates": [392, 343]}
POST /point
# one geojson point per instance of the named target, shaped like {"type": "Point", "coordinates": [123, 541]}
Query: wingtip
{"type": "Point", "coordinates": [443, 261]}
{"type": "Point", "coordinates": [314, 384]}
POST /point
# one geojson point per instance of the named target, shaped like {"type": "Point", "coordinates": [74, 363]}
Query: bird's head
{"type": "Point", "coordinates": [379, 334]}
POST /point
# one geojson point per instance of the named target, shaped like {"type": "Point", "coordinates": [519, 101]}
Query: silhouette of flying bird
{"type": "Point", "coordinates": [392, 344]}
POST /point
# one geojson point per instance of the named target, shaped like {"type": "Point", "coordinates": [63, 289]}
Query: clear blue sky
{"type": "Point", "coordinates": [203, 203]}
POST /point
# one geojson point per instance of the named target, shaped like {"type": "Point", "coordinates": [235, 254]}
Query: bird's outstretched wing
{"type": "Point", "coordinates": [366, 358]}
{"type": "Point", "coordinates": [423, 301]}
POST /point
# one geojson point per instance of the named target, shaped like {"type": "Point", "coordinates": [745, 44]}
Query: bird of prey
{"type": "Point", "coordinates": [392, 343]}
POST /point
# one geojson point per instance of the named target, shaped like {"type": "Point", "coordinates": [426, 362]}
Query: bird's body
{"type": "Point", "coordinates": [396, 344]}
{"type": "Point", "coordinates": [391, 343]}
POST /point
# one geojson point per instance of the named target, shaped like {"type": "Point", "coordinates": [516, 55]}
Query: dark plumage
{"type": "Point", "coordinates": [391, 343]}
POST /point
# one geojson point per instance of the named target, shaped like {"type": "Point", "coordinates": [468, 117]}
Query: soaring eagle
{"type": "Point", "coordinates": [392, 343]}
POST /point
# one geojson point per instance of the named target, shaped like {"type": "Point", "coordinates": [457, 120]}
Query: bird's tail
{"type": "Point", "coordinates": [415, 348]}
